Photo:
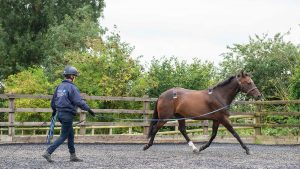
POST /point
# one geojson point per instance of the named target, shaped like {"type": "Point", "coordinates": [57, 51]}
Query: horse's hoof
{"type": "Point", "coordinates": [195, 151]}
{"type": "Point", "coordinates": [248, 152]}
{"type": "Point", "coordinates": [201, 149]}
{"type": "Point", "coordinates": [146, 147]}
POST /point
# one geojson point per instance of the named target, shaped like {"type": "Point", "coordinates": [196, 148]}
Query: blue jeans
{"type": "Point", "coordinates": [66, 133]}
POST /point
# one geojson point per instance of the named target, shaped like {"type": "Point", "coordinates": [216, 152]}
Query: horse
{"type": "Point", "coordinates": [211, 104]}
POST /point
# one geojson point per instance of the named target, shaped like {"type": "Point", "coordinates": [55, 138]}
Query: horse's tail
{"type": "Point", "coordinates": [153, 121]}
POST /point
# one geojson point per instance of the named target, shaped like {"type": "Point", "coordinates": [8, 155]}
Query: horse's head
{"type": "Point", "coordinates": [247, 85]}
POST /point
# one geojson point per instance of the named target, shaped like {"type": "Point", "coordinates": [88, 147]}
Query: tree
{"type": "Point", "coordinates": [30, 81]}
{"type": "Point", "coordinates": [294, 89]}
{"type": "Point", "coordinates": [106, 70]}
{"type": "Point", "coordinates": [271, 61]}
{"type": "Point", "coordinates": [71, 35]}
{"type": "Point", "coordinates": [168, 73]}
{"type": "Point", "coordinates": [27, 28]}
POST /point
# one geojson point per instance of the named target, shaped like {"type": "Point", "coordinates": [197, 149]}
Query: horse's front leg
{"type": "Point", "coordinates": [229, 127]}
{"type": "Point", "coordinates": [213, 135]}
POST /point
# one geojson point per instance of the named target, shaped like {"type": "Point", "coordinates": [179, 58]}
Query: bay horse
{"type": "Point", "coordinates": [212, 104]}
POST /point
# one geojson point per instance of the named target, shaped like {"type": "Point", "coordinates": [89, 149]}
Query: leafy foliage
{"type": "Point", "coordinates": [70, 36]}
{"type": "Point", "coordinates": [168, 73]}
{"type": "Point", "coordinates": [28, 27]}
{"type": "Point", "coordinates": [271, 61]}
{"type": "Point", "coordinates": [294, 87]}
{"type": "Point", "coordinates": [30, 81]}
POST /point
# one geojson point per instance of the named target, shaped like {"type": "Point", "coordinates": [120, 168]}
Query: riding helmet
{"type": "Point", "coordinates": [70, 70]}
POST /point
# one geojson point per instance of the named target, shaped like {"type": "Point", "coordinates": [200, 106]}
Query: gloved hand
{"type": "Point", "coordinates": [92, 112]}
{"type": "Point", "coordinates": [53, 113]}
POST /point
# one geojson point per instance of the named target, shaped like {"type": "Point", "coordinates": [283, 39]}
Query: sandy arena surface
{"type": "Point", "coordinates": [159, 156]}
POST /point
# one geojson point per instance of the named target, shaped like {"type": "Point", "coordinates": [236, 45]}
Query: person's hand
{"type": "Point", "coordinates": [92, 112]}
{"type": "Point", "coordinates": [53, 113]}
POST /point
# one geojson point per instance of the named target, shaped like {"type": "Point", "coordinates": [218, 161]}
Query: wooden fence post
{"type": "Point", "coordinates": [130, 130]}
{"type": "Point", "coordinates": [205, 127]}
{"type": "Point", "coordinates": [82, 125]}
{"type": "Point", "coordinates": [146, 106]}
{"type": "Point", "coordinates": [82, 118]}
{"type": "Point", "coordinates": [176, 128]}
{"type": "Point", "coordinates": [257, 120]}
{"type": "Point", "coordinates": [11, 117]}
{"type": "Point", "coordinates": [93, 131]}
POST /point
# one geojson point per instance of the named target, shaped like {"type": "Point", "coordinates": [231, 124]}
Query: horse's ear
{"type": "Point", "coordinates": [242, 74]}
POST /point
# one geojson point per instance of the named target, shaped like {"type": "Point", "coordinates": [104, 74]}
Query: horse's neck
{"type": "Point", "coordinates": [228, 92]}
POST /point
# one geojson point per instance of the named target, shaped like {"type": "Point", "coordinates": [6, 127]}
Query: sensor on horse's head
{"type": "Point", "coordinates": [174, 94]}
{"type": "Point", "coordinates": [210, 91]}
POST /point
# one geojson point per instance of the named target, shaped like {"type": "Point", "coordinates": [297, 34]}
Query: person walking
{"type": "Point", "coordinates": [65, 101]}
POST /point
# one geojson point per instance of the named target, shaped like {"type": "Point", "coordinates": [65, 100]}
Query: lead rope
{"type": "Point", "coordinates": [172, 119]}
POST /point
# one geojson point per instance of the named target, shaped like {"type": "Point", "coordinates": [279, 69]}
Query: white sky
{"type": "Point", "coordinates": [198, 28]}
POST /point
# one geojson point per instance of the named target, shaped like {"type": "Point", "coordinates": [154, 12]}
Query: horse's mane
{"type": "Point", "coordinates": [225, 82]}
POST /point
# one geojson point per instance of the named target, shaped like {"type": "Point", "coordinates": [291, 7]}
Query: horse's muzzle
{"type": "Point", "coordinates": [259, 97]}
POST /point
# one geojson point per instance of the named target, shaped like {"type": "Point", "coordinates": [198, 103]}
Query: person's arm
{"type": "Point", "coordinates": [78, 101]}
{"type": "Point", "coordinates": [53, 102]}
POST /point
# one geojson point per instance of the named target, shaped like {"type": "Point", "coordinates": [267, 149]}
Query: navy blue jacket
{"type": "Point", "coordinates": [66, 99]}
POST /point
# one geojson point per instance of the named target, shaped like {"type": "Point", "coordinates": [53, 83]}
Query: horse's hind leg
{"type": "Point", "coordinates": [229, 127]}
{"type": "Point", "coordinates": [158, 125]}
{"type": "Point", "coordinates": [213, 135]}
{"type": "Point", "coordinates": [183, 132]}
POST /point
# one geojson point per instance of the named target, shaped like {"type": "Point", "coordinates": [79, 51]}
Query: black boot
{"type": "Point", "coordinates": [74, 158]}
{"type": "Point", "coordinates": [47, 156]}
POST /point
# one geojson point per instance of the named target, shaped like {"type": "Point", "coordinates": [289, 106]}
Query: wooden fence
{"type": "Point", "coordinates": [86, 130]}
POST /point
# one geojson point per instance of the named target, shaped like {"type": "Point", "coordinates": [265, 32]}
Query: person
{"type": "Point", "coordinates": [65, 101]}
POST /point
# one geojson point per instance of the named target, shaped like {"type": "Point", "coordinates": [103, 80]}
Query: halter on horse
{"type": "Point", "coordinates": [198, 104]}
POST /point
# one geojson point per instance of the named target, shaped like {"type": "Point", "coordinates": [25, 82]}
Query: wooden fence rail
{"type": "Point", "coordinates": [8, 129]}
